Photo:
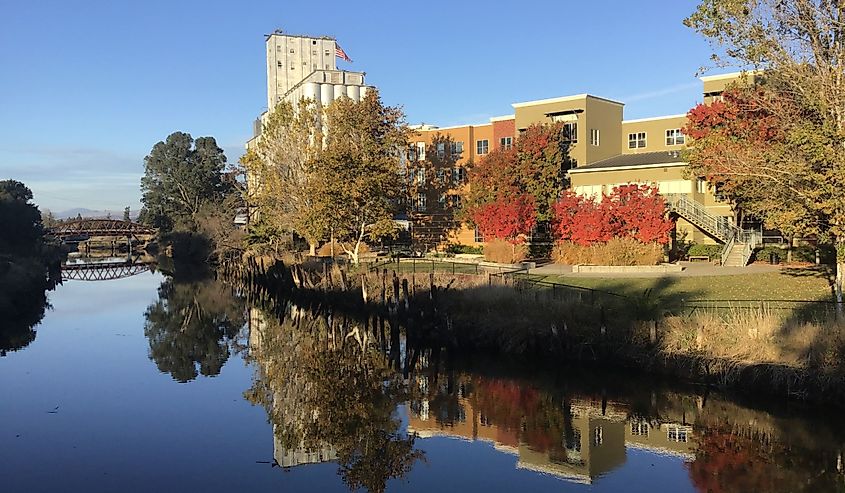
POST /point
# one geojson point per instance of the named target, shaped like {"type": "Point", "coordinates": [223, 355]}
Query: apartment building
{"type": "Point", "coordinates": [606, 151]}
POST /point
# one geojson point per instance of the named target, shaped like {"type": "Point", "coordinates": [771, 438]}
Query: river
{"type": "Point", "coordinates": [150, 384]}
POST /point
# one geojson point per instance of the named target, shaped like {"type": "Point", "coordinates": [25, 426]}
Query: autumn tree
{"type": "Point", "coordinates": [357, 182]}
{"type": "Point", "coordinates": [800, 44]}
{"type": "Point", "coordinates": [534, 167]}
{"type": "Point", "coordinates": [507, 218]}
{"type": "Point", "coordinates": [281, 171]}
{"type": "Point", "coordinates": [433, 183]}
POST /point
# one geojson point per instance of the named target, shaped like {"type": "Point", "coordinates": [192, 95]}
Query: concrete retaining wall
{"type": "Point", "coordinates": [626, 269]}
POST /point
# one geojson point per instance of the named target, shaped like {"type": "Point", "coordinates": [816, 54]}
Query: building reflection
{"type": "Point", "coordinates": [577, 439]}
{"type": "Point", "coordinates": [576, 427]}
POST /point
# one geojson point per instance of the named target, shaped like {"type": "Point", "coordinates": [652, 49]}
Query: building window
{"type": "Point", "coordinates": [456, 149]}
{"type": "Point", "coordinates": [506, 142]}
{"type": "Point", "coordinates": [420, 151]}
{"type": "Point", "coordinates": [419, 204]}
{"type": "Point", "coordinates": [278, 48]}
{"type": "Point", "coordinates": [314, 66]}
{"type": "Point", "coordinates": [636, 140]}
{"type": "Point", "coordinates": [313, 42]}
{"type": "Point", "coordinates": [674, 137]}
{"type": "Point", "coordinates": [279, 64]}
{"type": "Point", "coordinates": [440, 175]}
{"type": "Point", "coordinates": [412, 153]}
{"type": "Point", "coordinates": [482, 146]}
{"type": "Point", "coordinates": [441, 150]}
{"type": "Point", "coordinates": [459, 175]}
{"type": "Point", "coordinates": [479, 238]}
{"type": "Point", "coordinates": [569, 133]}
{"type": "Point", "coordinates": [292, 66]}
{"type": "Point", "coordinates": [313, 52]}
{"type": "Point", "coordinates": [421, 176]}
{"type": "Point", "coordinates": [598, 436]}
{"type": "Point", "coordinates": [676, 434]}
{"type": "Point", "coordinates": [455, 201]}
{"type": "Point", "coordinates": [594, 136]}
{"type": "Point", "coordinates": [326, 53]}
{"type": "Point", "coordinates": [327, 66]}
{"type": "Point", "coordinates": [639, 428]}
{"type": "Point", "coordinates": [291, 50]}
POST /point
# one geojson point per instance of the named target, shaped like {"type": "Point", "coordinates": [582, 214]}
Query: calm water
{"type": "Point", "coordinates": [145, 384]}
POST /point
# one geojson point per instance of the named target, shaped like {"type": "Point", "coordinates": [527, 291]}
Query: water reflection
{"type": "Point", "coordinates": [193, 327]}
{"type": "Point", "coordinates": [329, 397]}
{"type": "Point", "coordinates": [331, 389]}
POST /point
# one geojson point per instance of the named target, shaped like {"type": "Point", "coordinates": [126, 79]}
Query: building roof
{"type": "Point", "coordinates": [630, 161]}
{"type": "Point", "coordinates": [564, 99]}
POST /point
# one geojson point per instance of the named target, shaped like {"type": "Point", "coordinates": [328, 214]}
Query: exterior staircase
{"type": "Point", "coordinates": [739, 243]}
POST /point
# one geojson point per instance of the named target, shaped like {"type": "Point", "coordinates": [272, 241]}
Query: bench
{"type": "Point", "coordinates": [693, 258]}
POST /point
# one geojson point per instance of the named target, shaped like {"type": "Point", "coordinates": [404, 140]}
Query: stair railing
{"type": "Point", "coordinates": [726, 250]}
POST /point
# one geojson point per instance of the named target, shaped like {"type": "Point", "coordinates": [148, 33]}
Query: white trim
{"type": "Point", "coordinates": [654, 118]}
{"type": "Point", "coordinates": [432, 128]}
{"type": "Point", "coordinates": [563, 99]}
{"type": "Point", "coordinates": [732, 75]}
{"type": "Point", "coordinates": [633, 166]}
{"type": "Point", "coordinates": [502, 118]}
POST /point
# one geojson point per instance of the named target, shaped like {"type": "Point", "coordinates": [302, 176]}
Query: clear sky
{"type": "Point", "coordinates": [87, 87]}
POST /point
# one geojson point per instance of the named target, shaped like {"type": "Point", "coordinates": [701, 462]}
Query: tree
{"type": "Point", "coordinates": [180, 176]}
{"type": "Point", "coordinates": [281, 171]}
{"type": "Point", "coordinates": [357, 181]}
{"type": "Point", "coordinates": [534, 167]}
{"type": "Point", "coordinates": [126, 214]}
{"type": "Point", "coordinates": [191, 327]}
{"type": "Point", "coordinates": [801, 46]}
{"type": "Point", "coordinates": [30, 265]}
{"type": "Point", "coordinates": [507, 218]}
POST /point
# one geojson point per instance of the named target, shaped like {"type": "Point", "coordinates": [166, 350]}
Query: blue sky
{"type": "Point", "coordinates": [88, 87]}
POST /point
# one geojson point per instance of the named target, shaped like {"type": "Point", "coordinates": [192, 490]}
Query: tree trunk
{"type": "Point", "coordinates": [840, 276]}
{"type": "Point", "coordinates": [789, 249]}
{"type": "Point", "coordinates": [312, 248]}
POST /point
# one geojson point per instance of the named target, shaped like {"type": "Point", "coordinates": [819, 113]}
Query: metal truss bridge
{"type": "Point", "coordinates": [83, 229]}
{"type": "Point", "coordinates": [104, 271]}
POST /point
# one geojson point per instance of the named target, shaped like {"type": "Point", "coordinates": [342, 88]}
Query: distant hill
{"type": "Point", "coordinates": [92, 214]}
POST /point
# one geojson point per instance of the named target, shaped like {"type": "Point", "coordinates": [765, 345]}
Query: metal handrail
{"type": "Point", "coordinates": [697, 214]}
{"type": "Point", "coordinates": [726, 251]}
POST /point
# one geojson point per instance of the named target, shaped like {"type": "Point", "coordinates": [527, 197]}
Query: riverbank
{"type": "Point", "coordinates": [756, 349]}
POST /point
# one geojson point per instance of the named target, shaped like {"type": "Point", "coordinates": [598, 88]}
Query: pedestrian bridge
{"type": "Point", "coordinates": [82, 229]}
{"type": "Point", "coordinates": [104, 271]}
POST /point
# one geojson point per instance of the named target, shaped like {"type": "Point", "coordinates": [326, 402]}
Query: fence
{"type": "Point", "coordinates": [447, 265]}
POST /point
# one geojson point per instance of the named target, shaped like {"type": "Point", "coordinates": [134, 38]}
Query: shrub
{"type": "Point", "coordinates": [767, 252]}
{"type": "Point", "coordinates": [504, 252]}
{"type": "Point", "coordinates": [326, 249]}
{"type": "Point", "coordinates": [465, 249]}
{"type": "Point", "coordinates": [617, 251]}
{"type": "Point", "coordinates": [712, 251]}
{"type": "Point", "coordinates": [807, 253]}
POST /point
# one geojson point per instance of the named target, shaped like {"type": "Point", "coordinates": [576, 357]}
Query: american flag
{"type": "Point", "coordinates": [338, 51]}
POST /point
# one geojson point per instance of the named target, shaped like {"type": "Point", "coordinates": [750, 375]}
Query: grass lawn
{"type": "Point", "coordinates": [789, 284]}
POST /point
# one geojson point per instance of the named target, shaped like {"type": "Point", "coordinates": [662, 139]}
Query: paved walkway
{"type": "Point", "coordinates": [691, 269]}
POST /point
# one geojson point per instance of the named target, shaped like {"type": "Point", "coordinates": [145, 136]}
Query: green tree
{"type": "Point", "coordinates": [30, 265]}
{"type": "Point", "coordinates": [181, 176]}
{"type": "Point", "coordinates": [126, 215]}
{"type": "Point", "coordinates": [800, 44]}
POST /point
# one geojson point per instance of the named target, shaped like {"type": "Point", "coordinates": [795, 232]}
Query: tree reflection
{"type": "Point", "coordinates": [192, 327]}
{"type": "Point", "coordinates": [323, 390]}
{"type": "Point", "coordinates": [30, 265]}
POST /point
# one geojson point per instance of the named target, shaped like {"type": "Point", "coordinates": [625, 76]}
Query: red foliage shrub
{"type": "Point", "coordinates": [509, 219]}
{"type": "Point", "coordinates": [630, 211]}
